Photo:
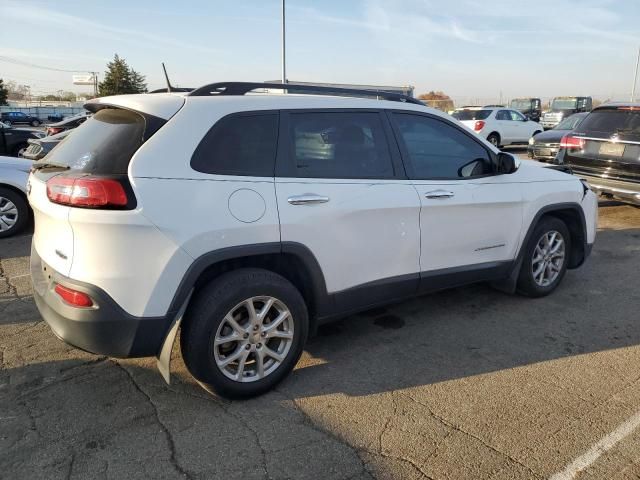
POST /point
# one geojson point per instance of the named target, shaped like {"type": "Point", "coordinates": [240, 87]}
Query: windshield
{"type": "Point", "coordinates": [570, 123]}
{"type": "Point", "coordinates": [521, 104]}
{"type": "Point", "coordinates": [564, 104]}
{"type": "Point", "coordinates": [471, 114]}
{"type": "Point", "coordinates": [103, 144]}
{"type": "Point", "coordinates": [626, 123]}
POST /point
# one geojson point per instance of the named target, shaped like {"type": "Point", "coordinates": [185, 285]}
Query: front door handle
{"type": "Point", "coordinates": [307, 199]}
{"type": "Point", "coordinates": [439, 194]}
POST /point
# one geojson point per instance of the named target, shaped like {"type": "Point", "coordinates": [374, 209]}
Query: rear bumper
{"type": "Point", "coordinates": [105, 328]}
{"type": "Point", "coordinates": [625, 191]}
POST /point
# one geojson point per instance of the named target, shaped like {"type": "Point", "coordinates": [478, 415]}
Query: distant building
{"type": "Point", "coordinates": [404, 90]}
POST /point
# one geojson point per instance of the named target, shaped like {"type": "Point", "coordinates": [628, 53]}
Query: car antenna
{"type": "Point", "coordinates": [169, 87]}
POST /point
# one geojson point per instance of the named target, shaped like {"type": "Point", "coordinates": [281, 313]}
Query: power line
{"type": "Point", "coordinates": [15, 61]}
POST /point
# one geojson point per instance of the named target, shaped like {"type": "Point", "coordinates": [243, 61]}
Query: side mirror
{"type": "Point", "coordinates": [506, 163]}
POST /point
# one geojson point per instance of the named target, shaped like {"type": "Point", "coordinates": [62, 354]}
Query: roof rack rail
{"type": "Point", "coordinates": [241, 88]}
{"type": "Point", "coordinates": [172, 89]}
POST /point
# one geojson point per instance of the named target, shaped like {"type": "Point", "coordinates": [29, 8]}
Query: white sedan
{"type": "Point", "coordinates": [500, 126]}
{"type": "Point", "coordinates": [14, 208]}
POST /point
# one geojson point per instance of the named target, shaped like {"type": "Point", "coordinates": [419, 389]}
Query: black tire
{"type": "Point", "coordinates": [23, 212]}
{"type": "Point", "coordinates": [207, 311]}
{"type": "Point", "coordinates": [18, 149]}
{"type": "Point", "coordinates": [527, 284]}
{"type": "Point", "coordinates": [494, 139]}
{"type": "Point", "coordinates": [7, 122]}
{"type": "Point", "coordinates": [536, 132]}
{"type": "Point", "coordinates": [35, 123]}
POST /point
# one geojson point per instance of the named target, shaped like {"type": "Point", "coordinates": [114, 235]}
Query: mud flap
{"type": "Point", "coordinates": [164, 359]}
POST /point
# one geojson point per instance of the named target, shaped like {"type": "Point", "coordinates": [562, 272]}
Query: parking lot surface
{"type": "Point", "coordinates": [463, 384]}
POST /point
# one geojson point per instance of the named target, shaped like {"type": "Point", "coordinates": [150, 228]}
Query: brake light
{"type": "Point", "coordinates": [569, 141]}
{"type": "Point", "coordinates": [53, 130]}
{"type": "Point", "coordinates": [479, 125]}
{"type": "Point", "coordinates": [88, 192]}
{"type": "Point", "coordinates": [631, 109]}
{"type": "Point", "coordinates": [73, 297]}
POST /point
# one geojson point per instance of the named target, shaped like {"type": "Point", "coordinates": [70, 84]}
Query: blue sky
{"type": "Point", "coordinates": [467, 48]}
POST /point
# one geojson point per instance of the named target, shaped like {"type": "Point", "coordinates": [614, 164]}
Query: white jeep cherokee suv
{"type": "Point", "coordinates": [249, 219]}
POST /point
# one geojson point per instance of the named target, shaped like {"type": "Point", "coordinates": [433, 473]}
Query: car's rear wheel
{"type": "Point", "coordinates": [7, 122]}
{"type": "Point", "coordinates": [494, 139]}
{"type": "Point", "coordinates": [35, 123]}
{"type": "Point", "coordinates": [19, 149]}
{"type": "Point", "coordinates": [545, 258]}
{"type": "Point", "coordinates": [14, 212]}
{"type": "Point", "coordinates": [244, 332]}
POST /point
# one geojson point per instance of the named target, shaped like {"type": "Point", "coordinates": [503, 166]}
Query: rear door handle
{"type": "Point", "coordinates": [439, 194]}
{"type": "Point", "coordinates": [307, 199]}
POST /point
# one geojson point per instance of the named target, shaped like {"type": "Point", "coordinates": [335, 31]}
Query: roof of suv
{"type": "Point", "coordinates": [165, 105]}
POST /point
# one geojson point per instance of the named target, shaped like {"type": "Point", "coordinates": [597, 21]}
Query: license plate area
{"type": "Point", "coordinates": [612, 149]}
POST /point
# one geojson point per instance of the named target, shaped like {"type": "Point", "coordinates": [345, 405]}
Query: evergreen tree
{"type": "Point", "coordinates": [4, 93]}
{"type": "Point", "coordinates": [120, 78]}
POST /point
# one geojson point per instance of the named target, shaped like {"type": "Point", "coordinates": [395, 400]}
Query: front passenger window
{"type": "Point", "coordinates": [437, 150]}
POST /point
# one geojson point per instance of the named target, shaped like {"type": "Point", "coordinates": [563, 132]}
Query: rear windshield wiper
{"type": "Point", "coordinates": [41, 165]}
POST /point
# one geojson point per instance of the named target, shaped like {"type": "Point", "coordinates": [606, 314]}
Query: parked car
{"type": "Point", "coordinates": [14, 208]}
{"type": "Point", "coordinates": [605, 150]}
{"type": "Point", "coordinates": [67, 124]}
{"type": "Point", "coordinates": [38, 148]}
{"type": "Point", "coordinates": [14, 141]}
{"type": "Point", "coordinates": [302, 209]}
{"type": "Point", "coordinates": [563, 107]}
{"type": "Point", "coordinates": [529, 107]}
{"type": "Point", "coordinates": [500, 126]}
{"type": "Point", "coordinates": [17, 118]}
{"type": "Point", "coordinates": [544, 146]}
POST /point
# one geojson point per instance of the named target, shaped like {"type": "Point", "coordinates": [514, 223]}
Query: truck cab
{"type": "Point", "coordinates": [563, 107]}
{"type": "Point", "coordinates": [529, 107]}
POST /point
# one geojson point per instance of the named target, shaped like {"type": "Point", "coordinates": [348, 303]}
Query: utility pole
{"type": "Point", "coordinates": [284, 63]}
{"type": "Point", "coordinates": [635, 76]}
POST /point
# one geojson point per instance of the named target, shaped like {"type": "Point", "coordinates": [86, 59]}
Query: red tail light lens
{"type": "Point", "coordinates": [53, 130]}
{"type": "Point", "coordinates": [73, 297]}
{"type": "Point", "coordinates": [569, 141]}
{"type": "Point", "coordinates": [479, 125]}
{"type": "Point", "coordinates": [88, 192]}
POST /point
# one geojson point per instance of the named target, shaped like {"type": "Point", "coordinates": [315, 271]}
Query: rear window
{"type": "Point", "coordinates": [471, 114]}
{"type": "Point", "coordinates": [626, 123]}
{"type": "Point", "coordinates": [104, 144]}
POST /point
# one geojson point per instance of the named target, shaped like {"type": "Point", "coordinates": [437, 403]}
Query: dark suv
{"type": "Point", "coordinates": [605, 150]}
{"type": "Point", "coordinates": [11, 118]}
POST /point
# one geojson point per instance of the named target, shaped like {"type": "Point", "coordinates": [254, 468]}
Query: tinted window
{"type": "Point", "coordinates": [516, 116]}
{"type": "Point", "coordinates": [471, 114]}
{"type": "Point", "coordinates": [503, 115]}
{"type": "Point", "coordinates": [339, 145]}
{"type": "Point", "coordinates": [439, 150]}
{"type": "Point", "coordinates": [239, 145]}
{"type": "Point", "coordinates": [609, 121]}
{"type": "Point", "coordinates": [571, 122]}
{"type": "Point", "coordinates": [103, 144]}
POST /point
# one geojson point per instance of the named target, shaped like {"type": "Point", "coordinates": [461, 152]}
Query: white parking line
{"type": "Point", "coordinates": [606, 443]}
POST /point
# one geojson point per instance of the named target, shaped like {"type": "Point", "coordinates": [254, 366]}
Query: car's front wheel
{"type": "Point", "coordinates": [244, 332]}
{"type": "Point", "coordinates": [35, 123]}
{"type": "Point", "coordinates": [7, 122]}
{"type": "Point", "coordinates": [545, 258]}
{"type": "Point", "coordinates": [14, 212]}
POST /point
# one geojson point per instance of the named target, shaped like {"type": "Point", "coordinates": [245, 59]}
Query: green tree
{"type": "Point", "coordinates": [4, 93]}
{"type": "Point", "coordinates": [120, 78]}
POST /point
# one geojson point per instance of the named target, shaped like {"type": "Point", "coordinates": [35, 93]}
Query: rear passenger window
{"type": "Point", "coordinates": [242, 145]}
{"type": "Point", "coordinates": [339, 145]}
{"type": "Point", "coordinates": [438, 150]}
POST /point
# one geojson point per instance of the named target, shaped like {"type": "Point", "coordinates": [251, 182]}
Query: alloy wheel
{"type": "Point", "coordinates": [548, 258]}
{"type": "Point", "coordinates": [8, 214]}
{"type": "Point", "coordinates": [253, 339]}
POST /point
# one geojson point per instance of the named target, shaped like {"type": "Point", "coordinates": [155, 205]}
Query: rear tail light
{"type": "Point", "coordinates": [479, 125]}
{"type": "Point", "coordinates": [569, 141]}
{"type": "Point", "coordinates": [87, 192]}
{"type": "Point", "coordinates": [73, 297]}
{"type": "Point", "coordinates": [53, 130]}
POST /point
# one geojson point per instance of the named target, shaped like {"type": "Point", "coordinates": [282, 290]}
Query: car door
{"type": "Point", "coordinates": [470, 218]}
{"type": "Point", "coordinates": [342, 193]}
{"type": "Point", "coordinates": [522, 127]}
{"type": "Point", "coordinates": [505, 125]}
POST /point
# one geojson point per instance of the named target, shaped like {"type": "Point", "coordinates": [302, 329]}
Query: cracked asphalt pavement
{"type": "Point", "coordinates": [464, 384]}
